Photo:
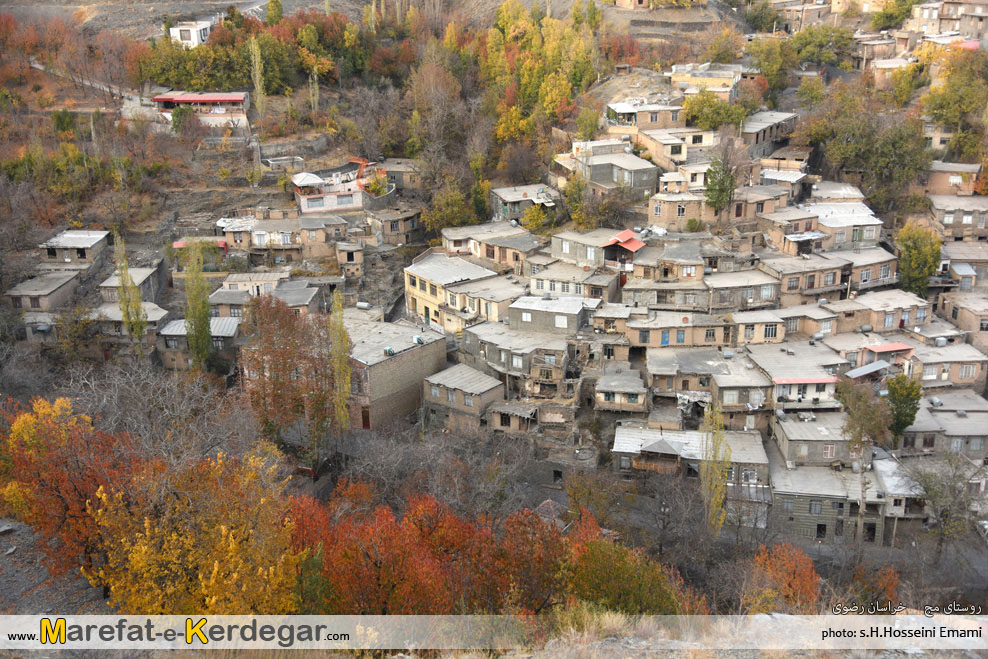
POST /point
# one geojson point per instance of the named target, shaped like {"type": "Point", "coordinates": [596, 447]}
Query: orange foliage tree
{"type": "Point", "coordinates": [792, 583]}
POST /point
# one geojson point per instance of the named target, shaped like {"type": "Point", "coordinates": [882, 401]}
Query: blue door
{"type": "Point", "coordinates": [665, 337]}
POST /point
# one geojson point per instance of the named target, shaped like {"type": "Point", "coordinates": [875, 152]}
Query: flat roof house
{"type": "Point", "coordinates": [46, 292]}
{"type": "Point", "coordinates": [804, 376]}
{"type": "Point", "coordinates": [426, 281]}
{"type": "Point", "coordinates": [74, 250]}
{"type": "Point", "coordinates": [620, 388]}
{"type": "Point", "coordinates": [173, 345]}
{"type": "Point", "coordinates": [145, 279]}
{"type": "Point", "coordinates": [458, 397]}
{"type": "Point", "coordinates": [388, 362]}
{"type": "Point", "coordinates": [510, 203]}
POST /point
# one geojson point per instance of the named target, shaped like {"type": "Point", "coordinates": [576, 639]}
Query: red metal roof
{"type": "Point", "coordinates": [632, 245]}
{"type": "Point", "coordinates": [890, 347]}
{"type": "Point", "coordinates": [823, 380]}
{"type": "Point", "coordinates": [195, 97]}
{"type": "Point", "coordinates": [627, 240]}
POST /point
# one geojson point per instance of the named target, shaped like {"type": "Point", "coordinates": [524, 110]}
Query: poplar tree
{"type": "Point", "coordinates": [257, 76]}
{"type": "Point", "coordinates": [713, 468]}
{"type": "Point", "coordinates": [196, 306]}
{"type": "Point", "coordinates": [340, 358]}
{"type": "Point", "coordinates": [132, 312]}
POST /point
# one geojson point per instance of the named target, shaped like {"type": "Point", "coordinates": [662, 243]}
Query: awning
{"type": "Point", "coordinates": [867, 369]}
{"type": "Point", "coordinates": [890, 347]}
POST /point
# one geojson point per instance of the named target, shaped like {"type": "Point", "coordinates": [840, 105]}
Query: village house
{"type": "Point", "coordinates": [868, 268]}
{"type": "Point", "coordinates": [794, 181]}
{"type": "Point", "coordinates": [216, 110]}
{"type": "Point", "coordinates": [612, 317]}
{"type": "Point", "coordinates": [673, 329]}
{"type": "Point", "coordinates": [513, 417]}
{"type": "Point", "coordinates": [190, 34]}
{"type": "Point", "coordinates": [751, 327]}
{"type": "Point", "coordinates": [973, 254]}
{"type": "Point", "coordinates": [764, 131]}
{"type": "Point", "coordinates": [817, 438]}
{"type": "Point", "coordinates": [796, 17]}
{"type": "Point", "coordinates": [484, 299]}
{"type": "Point", "coordinates": [959, 217]}
{"type": "Point", "coordinates": [870, 47]}
{"type": "Point", "coordinates": [870, 351]}
{"type": "Point", "coordinates": [721, 79]}
{"type": "Point", "coordinates": [74, 250]}
{"type": "Point", "coordinates": [674, 211]}
{"type": "Point", "coordinates": [399, 225]}
{"type": "Point", "coordinates": [743, 290]}
{"type": "Point", "coordinates": [173, 345]}
{"type": "Point", "coordinates": [792, 230]}
{"type": "Point", "coordinates": [147, 281]}
{"type": "Point", "coordinates": [804, 375]}
{"type": "Point", "coordinates": [619, 388]}
{"type": "Point", "coordinates": [969, 312]}
{"type": "Point", "coordinates": [46, 292]}
{"type": "Point", "coordinates": [846, 224]}
{"type": "Point", "coordinates": [112, 331]}
{"type": "Point", "coordinates": [742, 391]}
{"type": "Point", "coordinates": [502, 244]}
{"type": "Point", "coordinates": [641, 115]}
{"type": "Point", "coordinates": [937, 136]}
{"type": "Point", "coordinates": [953, 421]}
{"type": "Point", "coordinates": [570, 279]}
{"type": "Point", "coordinates": [880, 311]}
{"type": "Point", "coordinates": [552, 315]}
{"type": "Point", "coordinates": [403, 173]}
{"type": "Point", "coordinates": [948, 365]}
{"type": "Point", "coordinates": [388, 363]}
{"type": "Point", "coordinates": [256, 283]}
{"type": "Point", "coordinates": [949, 178]}
{"type": "Point", "coordinates": [803, 321]}
{"type": "Point", "coordinates": [458, 397]}
{"type": "Point", "coordinates": [529, 363]}
{"type": "Point", "coordinates": [753, 200]}
{"type": "Point", "coordinates": [669, 452]}
{"type": "Point", "coordinates": [344, 189]}
{"type": "Point", "coordinates": [426, 281]}
{"type": "Point", "coordinates": [670, 148]}
{"type": "Point", "coordinates": [510, 203]}
{"type": "Point", "coordinates": [806, 278]}
{"type": "Point", "coordinates": [350, 257]}
{"type": "Point", "coordinates": [598, 248]}
{"type": "Point", "coordinates": [607, 166]}
{"type": "Point", "coordinates": [821, 503]}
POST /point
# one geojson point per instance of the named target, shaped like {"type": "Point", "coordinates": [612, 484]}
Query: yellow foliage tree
{"type": "Point", "coordinates": [215, 541]}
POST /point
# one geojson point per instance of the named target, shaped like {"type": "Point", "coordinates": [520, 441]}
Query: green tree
{"type": "Point", "coordinates": [812, 91]}
{"type": "Point", "coordinates": [903, 400]}
{"type": "Point", "coordinates": [587, 123]}
{"type": "Point", "coordinates": [721, 182]}
{"type": "Point", "coordinates": [894, 162]}
{"type": "Point", "coordinates": [450, 208]}
{"type": "Point", "coordinates": [340, 347]}
{"type": "Point", "coordinates": [713, 468]}
{"type": "Point", "coordinates": [726, 47]}
{"type": "Point", "coordinates": [762, 17]}
{"type": "Point", "coordinates": [257, 76]}
{"type": "Point", "coordinates": [943, 485]}
{"type": "Point", "coordinates": [775, 58]}
{"type": "Point", "coordinates": [132, 312]}
{"type": "Point", "coordinates": [919, 257]}
{"type": "Point", "coordinates": [823, 44]}
{"type": "Point", "coordinates": [892, 15]}
{"type": "Point", "coordinates": [707, 112]}
{"type": "Point", "coordinates": [180, 118]}
{"type": "Point", "coordinates": [197, 319]}
{"type": "Point", "coordinates": [273, 13]}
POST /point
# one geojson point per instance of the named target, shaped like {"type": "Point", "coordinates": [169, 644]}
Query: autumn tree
{"type": "Point", "coordinates": [775, 58]}
{"type": "Point", "coordinates": [588, 123]}
{"type": "Point", "coordinates": [216, 541]}
{"type": "Point", "coordinates": [708, 112]}
{"type": "Point", "coordinates": [713, 468]}
{"type": "Point", "coordinates": [730, 166]}
{"type": "Point", "coordinates": [823, 44]}
{"type": "Point", "coordinates": [943, 484]}
{"type": "Point", "coordinates": [450, 208]}
{"type": "Point", "coordinates": [792, 585]}
{"type": "Point", "coordinates": [725, 47]}
{"type": "Point", "coordinates": [273, 12]}
{"type": "Point", "coordinates": [131, 305]}
{"type": "Point", "coordinates": [257, 75]}
{"type": "Point", "coordinates": [56, 461]}
{"type": "Point", "coordinates": [340, 347]}
{"type": "Point", "coordinates": [812, 91]}
{"type": "Point", "coordinates": [197, 318]}
{"type": "Point", "coordinates": [904, 394]}
{"type": "Point", "coordinates": [919, 257]}
{"type": "Point", "coordinates": [871, 585]}
{"type": "Point", "coordinates": [762, 17]}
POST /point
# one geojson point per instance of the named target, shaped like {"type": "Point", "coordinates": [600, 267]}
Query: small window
{"type": "Point", "coordinates": [792, 284]}
{"type": "Point", "coordinates": [411, 280]}
{"type": "Point", "coordinates": [711, 335]}
{"type": "Point", "coordinates": [643, 337]}
{"type": "Point", "coordinates": [35, 302]}
{"type": "Point", "coordinates": [562, 322]}
{"type": "Point", "coordinates": [829, 451]}
{"type": "Point", "coordinates": [749, 331]}
{"type": "Point", "coordinates": [770, 331]}
{"type": "Point", "coordinates": [218, 342]}
{"type": "Point", "coordinates": [171, 342]}
{"type": "Point", "coordinates": [625, 462]}
{"type": "Point", "coordinates": [433, 291]}
{"type": "Point", "coordinates": [681, 210]}
{"type": "Point", "coordinates": [609, 396]}
{"type": "Point", "coordinates": [434, 390]}
{"type": "Point", "coordinates": [52, 253]}
{"type": "Point", "coordinates": [816, 507]}
{"type": "Point", "coordinates": [631, 398]}
{"type": "Point", "coordinates": [517, 361]}
{"type": "Point", "coordinates": [451, 395]}
{"type": "Point", "coordinates": [526, 317]}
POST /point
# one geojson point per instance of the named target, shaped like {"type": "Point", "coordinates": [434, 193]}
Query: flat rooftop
{"type": "Point", "coordinates": [466, 379]}
{"type": "Point", "coordinates": [77, 239]}
{"type": "Point", "coordinates": [43, 284]}
{"type": "Point", "coordinates": [444, 270]}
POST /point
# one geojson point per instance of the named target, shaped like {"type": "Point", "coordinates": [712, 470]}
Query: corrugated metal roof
{"type": "Point", "coordinates": [465, 379]}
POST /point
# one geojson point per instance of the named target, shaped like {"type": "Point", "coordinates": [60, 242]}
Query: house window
{"type": "Point", "coordinates": [889, 319]}
{"type": "Point", "coordinates": [218, 343]}
{"type": "Point", "coordinates": [869, 233]}
{"type": "Point", "coordinates": [236, 312]}
{"type": "Point", "coordinates": [816, 507]}
{"type": "Point", "coordinates": [590, 253]}
{"type": "Point", "coordinates": [984, 325]}
{"type": "Point", "coordinates": [171, 342]}
{"type": "Point", "coordinates": [539, 284]}
{"type": "Point", "coordinates": [866, 275]}
{"type": "Point", "coordinates": [35, 302]}
{"type": "Point", "coordinates": [680, 336]}
{"type": "Point", "coordinates": [631, 398]}
{"type": "Point", "coordinates": [564, 287]}
{"type": "Point", "coordinates": [674, 115]}
{"type": "Point", "coordinates": [344, 200]}
{"type": "Point", "coordinates": [394, 226]}
{"type": "Point", "coordinates": [885, 271]}
{"type": "Point", "coordinates": [929, 440]}
{"type": "Point", "coordinates": [552, 285]}
{"type": "Point", "coordinates": [821, 388]}
{"type": "Point", "coordinates": [956, 444]}
{"type": "Point", "coordinates": [16, 301]}
{"type": "Point", "coordinates": [967, 219]}
{"type": "Point", "coordinates": [433, 291]}
{"type": "Point", "coordinates": [731, 397]}
{"type": "Point", "coordinates": [930, 372]}
{"type": "Point", "coordinates": [562, 322]}
{"type": "Point", "coordinates": [657, 210]}
{"type": "Point", "coordinates": [452, 300]}
{"type": "Point", "coordinates": [411, 281]}
{"type": "Point", "coordinates": [643, 337]}
{"type": "Point", "coordinates": [53, 253]}
{"type": "Point", "coordinates": [974, 444]}
{"type": "Point", "coordinates": [315, 202]}
{"type": "Point", "coordinates": [770, 331]}
{"type": "Point", "coordinates": [468, 400]}
{"type": "Point", "coordinates": [749, 476]}
{"type": "Point", "coordinates": [967, 371]}
{"type": "Point", "coordinates": [550, 360]}
{"type": "Point", "coordinates": [841, 237]}
{"type": "Point", "coordinates": [625, 462]}
{"type": "Point", "coordinates": [676, 149]}
{"type": "Point", "coordinates": [787, 505]}
{"type": "Point", "coordinates": [565, 246]}
{"type": "Point", "coordinates": [948, 218]}
{"type": "Point", "coordinates": [421, 284]}
{"type": "Point", "coordinates": [749, 331]}
{"type": "Point", "coordinates": [434, 390]}
{"type": "Point", "coordinates": [286, 239]}
{"type": "Point", "coordinates": [517, 361]}
{"type": "Point", "coordinates": [829, 279]}
{"type": "Point", "coordinates": [921, 315]}
{"type": "Point", "coordinates": [792, 324]}
{"type": "Point", "coordinates": [608, 352]}
{"type": "Point", "coordinates": [755, 397]}
{"type": "Point", "coordinates": [185, 35]}
{"type": "Point", "coordinates": [451, 395]}
{"type": "Point", "coordinates": [689, 271]}
{"type": "Point", "coordinates": [829, 451]}
{"type": "Point", "coordinates": [698, 139]}
{"type": "Point", "coordinates": [826, 326]}
{"type": "Point", "coordinates": [505, 420]}
{"type": "Point", "coordinates": [792, 284]}
{"type": "Point", "coordinates": [748, 293]}
{"type": "Point", "coordinates": [760, 206]}
{"type": "Point", "coordinates": [526, 317]}
{"type": "Point", "coordinates": [711, 335]}
{"type": "Point", "coordinates": [609, 396]}
{"type": "Point", "coordinates": [681, 210]}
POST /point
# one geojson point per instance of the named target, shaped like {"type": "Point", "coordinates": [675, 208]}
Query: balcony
{"type": "Point", "coordinates": [875, 283]}
{"type": "Point", "coordinates": [620, 267]}
{"type": "Point", "coordinates": [807, 403]}
{"type": "Point", "coordinates": [669, 467]}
